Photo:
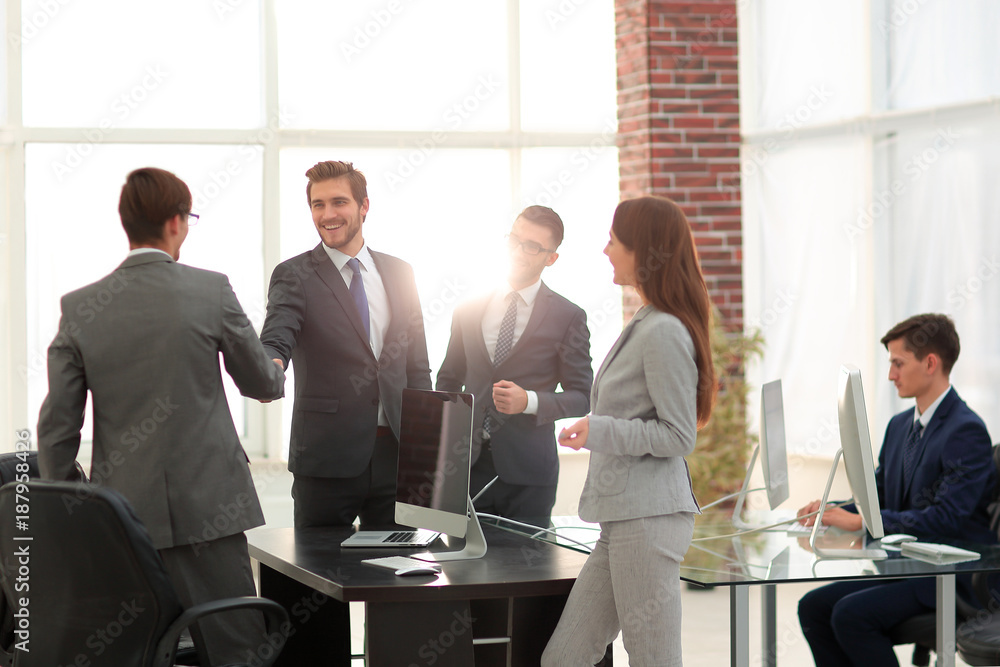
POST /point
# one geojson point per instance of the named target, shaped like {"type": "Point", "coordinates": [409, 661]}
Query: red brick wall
{"type": "Point", "coordinates": [678, 127]}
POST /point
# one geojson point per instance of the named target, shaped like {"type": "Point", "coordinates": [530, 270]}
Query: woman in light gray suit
{"type": "Point", "coordinates": [654, 390]}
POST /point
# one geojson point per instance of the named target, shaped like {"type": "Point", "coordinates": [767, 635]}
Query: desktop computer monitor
{"type": "Point", "coordinates": [856, 448]}
{"type": "Point", "coordinates": [432, 481]}
{"type": "Point", "coordinates": [772, 443]}
{"type": "Point", "coordinates": [771, 449]}
{"type": "Point", "coordinates": [856, 443]}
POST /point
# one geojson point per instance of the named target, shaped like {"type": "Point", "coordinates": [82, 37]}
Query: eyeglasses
{"type": "Point", "coordinates": [194, 221]}
{"type": "Point", "coordinates": [527, 247]}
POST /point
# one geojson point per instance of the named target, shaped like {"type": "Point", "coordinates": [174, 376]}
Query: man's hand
{"type": "Point", "coordinates": [281, 365]}
{"type": "Point", "coordinates": [832, 516]}
{"type": "Point", "coordinates": [575, 436]}
{"type": "Point", "coordinates": [509, 398]}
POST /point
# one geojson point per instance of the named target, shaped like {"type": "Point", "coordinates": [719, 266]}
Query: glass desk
{"type": "Point", "coordinates": [719, 557]}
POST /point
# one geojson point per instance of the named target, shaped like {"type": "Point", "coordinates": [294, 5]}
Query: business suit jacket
{"type": "Point", "coordinates": [145, 341]}
{"type": "Point", "coordinates": [643, 422]}
{"type": "Point", "coordinates": [312, 320]}
{"type": "Point", "coordinates": [553, 350]}
{"type": "Point", "coordinates": [953, 480]}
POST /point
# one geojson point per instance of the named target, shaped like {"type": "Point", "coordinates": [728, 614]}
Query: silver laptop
{"type": "Point", "coordinates": [391, 538]}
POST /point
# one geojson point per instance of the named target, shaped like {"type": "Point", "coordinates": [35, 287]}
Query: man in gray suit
{"type": "Point", "coordinates": [145, 341]}
{"type": "Point", "coordinates": [513, 350]}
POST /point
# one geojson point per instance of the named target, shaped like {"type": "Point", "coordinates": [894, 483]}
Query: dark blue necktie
{"type": "Point", "coordinates": [910, 449]}
{"type": "Point", "coordinates": [358, 294]}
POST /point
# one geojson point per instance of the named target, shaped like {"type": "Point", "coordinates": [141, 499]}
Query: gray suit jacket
{"type": "Point", "coordinates": [312, 321]}
{"type": "Point", "coordinates": [643, 422]}
{"type": "Point", "coordinates": [552, 352]}
{"type": "Point", "coordinates": [145, 341]}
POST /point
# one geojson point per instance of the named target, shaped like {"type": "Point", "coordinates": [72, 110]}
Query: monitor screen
{"type": "Point", "coordinates": [856, 444]}
{"type": "Point", "coordinates": [772, 443]}
{"type": "Point", "coordinates": [435, 450]}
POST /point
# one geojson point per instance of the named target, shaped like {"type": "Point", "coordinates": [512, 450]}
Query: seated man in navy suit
{"type": "Point", "coordinates": [935, 479]}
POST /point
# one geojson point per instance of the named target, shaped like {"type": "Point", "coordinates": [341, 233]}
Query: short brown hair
{"type": "Point", "coordinates": [927, 333]}
{"type": "Point", "coordinates": [151, 197]}
{"type": "Point", "coordinates": [669, 275]}
{"type": "Point", "coordinates": [325, 171]}
{"type": "Point", "coordinates": [545, 217]}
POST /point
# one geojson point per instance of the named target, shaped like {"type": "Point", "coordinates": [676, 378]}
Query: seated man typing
{"type": "Point", "coordinates": [935, 479]}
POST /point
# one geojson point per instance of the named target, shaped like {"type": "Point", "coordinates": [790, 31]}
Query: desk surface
{"type": "Point", "coordinates": [774, 556]}
{"type": "Point", "coordinates": [514, 565]}
{"type": "Point", "coordinates": [777, 557]}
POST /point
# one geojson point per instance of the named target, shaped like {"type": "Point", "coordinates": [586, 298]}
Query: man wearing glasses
{"type": "Point", "coordinates": [145, 341]}
{"type": "Point", "coordinates": [514, 349]}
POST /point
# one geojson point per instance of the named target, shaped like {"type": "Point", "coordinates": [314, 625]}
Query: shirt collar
{"type": "Point", "coordinates": [527, 294]}
{"type": "Point", "coordinates": [340, 259]}
{"type": "Point", "coordinates": [143, 251]}
{"type": "Point", "coordinates": [925, 418]}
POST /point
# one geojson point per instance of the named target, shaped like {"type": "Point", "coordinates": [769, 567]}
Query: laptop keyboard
{"type": "Point", "coordinates": [401, 536]}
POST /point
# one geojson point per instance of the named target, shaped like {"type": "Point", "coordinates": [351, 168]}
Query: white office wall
{"type": "Point", "coordinates": [902, 166]}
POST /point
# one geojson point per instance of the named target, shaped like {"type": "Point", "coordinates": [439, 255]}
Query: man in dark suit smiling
{"type": "Point", "coordinates": [349, 320]}
{"type": "Point", "coordinates": [513, 349]}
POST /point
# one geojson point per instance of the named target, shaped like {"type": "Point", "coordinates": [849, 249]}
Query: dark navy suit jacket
{"type": "Point", "coordinates": [553, 351]}
{"type": "Point", "coordinates": [953, 481]}
{"type": "Point", "coordinates": [312, 320]}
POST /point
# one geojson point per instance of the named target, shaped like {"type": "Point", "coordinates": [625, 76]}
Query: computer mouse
{"type": "Point", "coordinates": [898, 538]}
{"type": "Point", "coordinates": [413, 570]}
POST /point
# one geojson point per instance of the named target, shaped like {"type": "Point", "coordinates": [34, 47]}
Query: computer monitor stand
{"type": "Point", "coordinates": [738, 521]}
{"type": "Point", "coordinates": [475, 543]}
{"type": "Point", "coordinates": [872, 554]}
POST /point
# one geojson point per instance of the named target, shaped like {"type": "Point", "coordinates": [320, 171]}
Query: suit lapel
{"type": "Point", "coordinates": [538, 314]}
{"type": "Point", "coordinates": [626, 332]}
{"type": "Point", "coordinates": [929, 432]}
{"type": "Point", "coordinates": [331, 277]}
{"type": "Point", "coordinates": [474, 327]}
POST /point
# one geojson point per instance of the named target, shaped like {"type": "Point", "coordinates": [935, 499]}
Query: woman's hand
{"type": "Point", "coordinates": [575, 436]}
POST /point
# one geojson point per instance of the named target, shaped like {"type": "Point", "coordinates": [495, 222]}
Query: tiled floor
{"type": "Point", "coordinates": [706, 612]}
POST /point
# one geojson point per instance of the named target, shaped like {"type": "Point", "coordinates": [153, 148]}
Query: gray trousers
{"type": "Point", "coordinates": [630, 583]}
{"type": "Point", "coordinates": [210, 571]}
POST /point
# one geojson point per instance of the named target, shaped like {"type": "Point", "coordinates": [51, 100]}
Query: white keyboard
{"type": "Point", "coordinates": [937, 553]}
{"type": "Point", "coordinates": [399, 562]}
{"type": "Point", "coordinates": [798, 529]}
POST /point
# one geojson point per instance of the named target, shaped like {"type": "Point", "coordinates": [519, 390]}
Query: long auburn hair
{"type": "Point", "coordinates": [668, 274]}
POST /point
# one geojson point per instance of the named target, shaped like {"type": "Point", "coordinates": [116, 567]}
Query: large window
{"type": "Point", "coordinates": [869, 173]}
{"type": "Point", "coordinates": [460, 115]}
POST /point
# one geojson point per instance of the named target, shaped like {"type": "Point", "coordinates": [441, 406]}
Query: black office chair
{"type": "Point", "coordinates": [96, 586]}
{"type": "Point", "coordinates": [982, 638]}
{"type": "Point", "coordinates": [13, 465]}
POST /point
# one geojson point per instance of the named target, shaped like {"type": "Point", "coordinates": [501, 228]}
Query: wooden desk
{"type": "Point", "coordinates": [497, 610]}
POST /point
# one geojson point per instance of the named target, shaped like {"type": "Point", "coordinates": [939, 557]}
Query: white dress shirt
{"type": "Point", "coordinates": [494, 316]}
{"type": "Point", "coordinates": [378, 300]}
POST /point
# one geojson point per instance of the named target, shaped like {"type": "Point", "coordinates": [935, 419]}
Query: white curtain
{"type": "Point", "coordinates": [852, 225]}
